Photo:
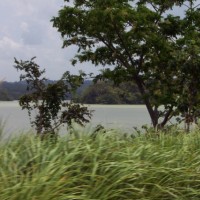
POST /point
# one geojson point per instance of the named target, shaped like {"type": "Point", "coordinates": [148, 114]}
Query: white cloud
{"type": "Point", "coordinates": [8, 43]}
{"type": "Point", "coordinates": [26, 31]}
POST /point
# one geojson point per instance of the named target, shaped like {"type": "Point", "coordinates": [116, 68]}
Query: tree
{"type": "Point", "coordinates": [138, 38]}
{"type": "Point", "coordinates": [49, 99]}
{"type": "Point", "coordinates": [104, 92]}
{"type": "Point", "coordinates": [188, 60]}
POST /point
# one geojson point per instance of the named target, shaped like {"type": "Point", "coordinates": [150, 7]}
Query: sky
{"type": "Point", "coordinates": [26, 31]}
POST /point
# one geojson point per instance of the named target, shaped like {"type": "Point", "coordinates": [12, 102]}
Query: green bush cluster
{"type": "Point", "coordinates": [104, 166]}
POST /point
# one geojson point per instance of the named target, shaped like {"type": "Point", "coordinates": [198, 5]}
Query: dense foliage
{"type": "Point", "coordinates": [105, 93]}
{"type": "Point", "coordinates": [107, 167]}
{"type": "Point", "coordinates": [49, 100]}
{"type": "Point", "coordinates": [141, 41]}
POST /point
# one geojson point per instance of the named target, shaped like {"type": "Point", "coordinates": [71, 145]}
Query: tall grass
{"type": "Point", "coordinates": [104, 167]}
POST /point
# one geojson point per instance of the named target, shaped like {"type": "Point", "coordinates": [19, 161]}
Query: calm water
{"type": "Point", "coordinates": [123, 117]}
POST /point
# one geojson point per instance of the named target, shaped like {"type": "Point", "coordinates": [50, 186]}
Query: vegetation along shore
{"type": "Point", "coordinates": [101, 165]}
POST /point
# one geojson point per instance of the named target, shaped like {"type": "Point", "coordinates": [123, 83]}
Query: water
{"type": "Point", "coordinates": [123, 117]}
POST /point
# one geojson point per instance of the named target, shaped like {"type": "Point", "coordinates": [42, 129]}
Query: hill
{"type": "Point", "coordinates": [103, 92]}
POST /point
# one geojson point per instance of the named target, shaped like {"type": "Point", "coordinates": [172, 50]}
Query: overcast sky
{"type": "Point", "coordinates": [26, 31]}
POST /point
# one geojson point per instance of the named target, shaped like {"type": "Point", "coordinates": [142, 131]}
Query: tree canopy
{"type": "Point", "coordinates": [141, 41]}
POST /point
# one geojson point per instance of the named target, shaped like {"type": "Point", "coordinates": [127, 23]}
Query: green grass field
{"type": "Point", "coordinates": [105, 167]}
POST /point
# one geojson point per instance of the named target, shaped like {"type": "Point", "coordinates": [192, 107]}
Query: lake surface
{"type": "Point", "coordinates": [123, 117]}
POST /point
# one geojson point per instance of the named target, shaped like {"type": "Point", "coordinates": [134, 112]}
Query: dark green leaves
{"type": "Point", "coordinates": [141, 42]}
{"type": "Point", "coordinates": [48, 99]}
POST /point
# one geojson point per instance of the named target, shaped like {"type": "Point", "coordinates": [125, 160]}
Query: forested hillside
{"type": "Point", "coordinates": [99, 93]}
{"type": "Point", "coordinates": [11, 90]}
{"type": "Point", "coordinates": [106, 93]}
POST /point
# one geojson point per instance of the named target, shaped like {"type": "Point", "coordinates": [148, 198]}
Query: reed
{"type": "Point", "coordinates": [105, 167]}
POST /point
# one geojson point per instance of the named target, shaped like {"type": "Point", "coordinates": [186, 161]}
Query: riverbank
{"type": "Point", "coordinates": [106, 166]}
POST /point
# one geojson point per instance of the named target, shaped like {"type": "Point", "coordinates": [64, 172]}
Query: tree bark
{"type": "Point", "coordinates": [153, 114]}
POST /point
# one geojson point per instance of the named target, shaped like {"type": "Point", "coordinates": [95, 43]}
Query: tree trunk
{"type": "Point", "coordinates": [152, 113]}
